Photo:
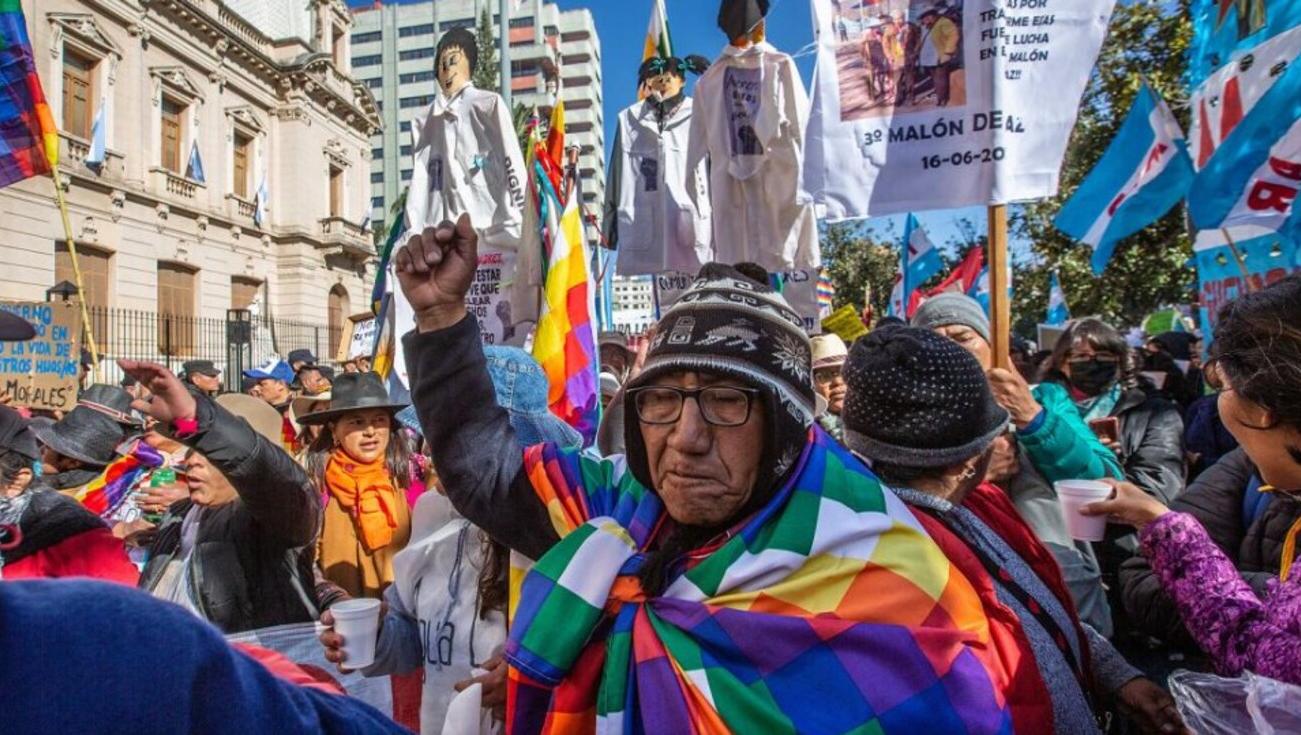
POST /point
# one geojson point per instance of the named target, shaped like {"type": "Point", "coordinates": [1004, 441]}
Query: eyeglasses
{"type": "Point", "coordinates": [826, 375]}
{"type": "Point", "coordinates": [719, 405]}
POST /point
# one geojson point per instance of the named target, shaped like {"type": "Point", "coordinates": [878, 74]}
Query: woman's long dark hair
{"type": "Point", "coordinates": [1102, 337]}
{"type": "Point", "coordinates": [1258, 349]}
{"type": "Point", "coordinates": [397, 456]}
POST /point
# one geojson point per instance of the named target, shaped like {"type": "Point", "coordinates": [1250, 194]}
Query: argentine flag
{"type": "Point", "coordinates": [195, 168]}
{"type": "Point", "coordinates": [980, 290]}
{"type": "Point", "coordinates": [260, 202]}
{"type": "Point", "coordinates": [98, 145]}
{"type": "Point", "coordinates": [922, 258]}
{"type": "Point", "coordinates": [1058, 312]}
{"type": "Point", "coordinates": [1145, 172]}
{"type": "Point", "coordinates": [1246, 115]}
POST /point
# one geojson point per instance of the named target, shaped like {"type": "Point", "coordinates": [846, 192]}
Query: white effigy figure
{"type": "Point", "coordinates": [750, 114]}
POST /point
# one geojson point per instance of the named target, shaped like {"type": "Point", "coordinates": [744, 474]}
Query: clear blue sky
{"type": "Point", "coordinates": [621, 24]}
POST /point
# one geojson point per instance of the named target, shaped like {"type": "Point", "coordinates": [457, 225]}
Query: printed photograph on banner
{"type": "Point", "coordinates": [898, 56]}
{"type": "Point", "coordinates": [489, 298]}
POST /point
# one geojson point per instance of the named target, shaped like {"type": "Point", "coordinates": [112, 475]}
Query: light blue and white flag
{"type": "Point", "coordinates": [980, 290]}
{"type": "Point", "coordinates": [1246, 112]}
{"type": "Point", "coordinates": [922, 257]}
{"type": "Point", "coordinates": [260, 202]}
{"type": "Point", "coordinates": [1058, 312]}
{"type": "Point", "coordinates": [194, 170]}
{"type": "Point", "coordinates": [1145, 171]}
{"type": "Point", "coordinates": [98, 143]}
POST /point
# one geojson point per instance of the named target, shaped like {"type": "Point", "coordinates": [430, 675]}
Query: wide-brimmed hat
{"type": "Point", "coordinates": [264, 419]}
{"type": "Point", "coordinates": [829, 351]}
{"type": "Point", "coordinates": [300, 405]}
{"type": "Point", "coordinates": [92, 430]}
{"type": "Point", "coordinates": [14, 328]}
{"type": "Point", "coordinates": [354, 392]}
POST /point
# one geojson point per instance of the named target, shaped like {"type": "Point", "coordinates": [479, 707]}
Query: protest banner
{"type": "Point", "coordinates": [947, 104]}
{"type": "Point", "coordinates": [799, 287]}
{"type": "Point", "coordinates": [42, 372]}
{"type": "Point", "coordinates": [1262, 258]}
{"type": "Point", "coordinates": [845, 323]}
{"type": "Point", "coordinates": [359, 341]}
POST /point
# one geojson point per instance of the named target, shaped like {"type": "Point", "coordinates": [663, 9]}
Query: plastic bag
{"type": "Point", "coordinates": [1212, 705]}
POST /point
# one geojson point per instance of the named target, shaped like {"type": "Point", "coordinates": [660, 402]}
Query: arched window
{"type": "Point", "coordinates": [338, 316]}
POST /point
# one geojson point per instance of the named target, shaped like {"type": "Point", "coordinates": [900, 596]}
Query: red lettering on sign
{"type": "Point", "coordinates": [1266, 195]}
{"type": "Point", "coordinates": [1286, 169]}
{"type": "Point", "coordinates": [1158, 152]}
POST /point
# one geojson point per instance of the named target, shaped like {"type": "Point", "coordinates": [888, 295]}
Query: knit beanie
{"type": "Point", "coordinates": [952, 308]}
{"type": "Point", "coordinates": [728, 325]}
{"type": "Point", "coordinates": [918, 400]}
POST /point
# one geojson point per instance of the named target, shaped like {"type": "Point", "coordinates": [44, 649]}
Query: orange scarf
{"type": "Point", "coordinates": [366, 492]}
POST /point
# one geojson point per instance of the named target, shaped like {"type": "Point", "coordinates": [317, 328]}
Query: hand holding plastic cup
{"type": "Point", "coordinates": [1074, 495]}
{"type": "Point", "coordinates": [357, 622]}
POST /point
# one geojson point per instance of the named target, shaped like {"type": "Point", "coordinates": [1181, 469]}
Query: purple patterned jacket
{"type": "Point", "coordinates": [1222, 613]}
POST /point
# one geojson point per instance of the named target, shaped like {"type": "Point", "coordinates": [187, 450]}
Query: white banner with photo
{"type": "Point", "coordinates": [946, 103]}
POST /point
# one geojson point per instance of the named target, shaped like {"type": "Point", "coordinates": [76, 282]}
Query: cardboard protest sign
{"type": "Point", "coordinates": [42, 372]}
{"type": "Point", "coordinates": [359, 340]}
{"type": "Point", "coordinates": [845, 323]}
{"type": "Point", "coordinates": [953, 105]}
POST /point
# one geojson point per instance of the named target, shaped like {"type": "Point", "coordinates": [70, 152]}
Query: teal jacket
{"type": "Point", "coordinates": [1060, 445]}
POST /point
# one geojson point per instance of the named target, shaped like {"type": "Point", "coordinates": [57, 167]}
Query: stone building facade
{"type": "Point", "coordinates": [236, 171]}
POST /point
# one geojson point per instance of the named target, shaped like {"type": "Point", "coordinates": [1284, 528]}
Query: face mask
{"type": "Point", "coordinates": [1092, 377]}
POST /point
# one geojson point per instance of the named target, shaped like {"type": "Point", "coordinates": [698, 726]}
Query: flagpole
{"type": "Point", "coordinates": [76, 273]}
{"type": "Point", "coordinates": [504, 31]}
{"type": "Point", "coordinates": [1000, 311]}
{"type": "Point", "coordinates": [1248, 284]}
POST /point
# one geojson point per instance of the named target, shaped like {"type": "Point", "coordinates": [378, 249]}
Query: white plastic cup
{"type": "Point", "coordinates": [357, 621]}
{"type": "Point", "coordinates": [1074, 495]}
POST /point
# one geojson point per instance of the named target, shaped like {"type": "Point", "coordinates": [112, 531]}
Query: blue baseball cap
{"type": "Point", "coordinates": [521, 388]}
{"type": "Point", "coordinates": [274, 369]}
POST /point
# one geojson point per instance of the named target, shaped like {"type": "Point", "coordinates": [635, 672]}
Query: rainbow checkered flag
{"type": "Point", "coordinates": [829, 611]}
{"type": "Point", "coordinates": [565, 341]}
{"type": "Point", "coordinates": [29, 139]}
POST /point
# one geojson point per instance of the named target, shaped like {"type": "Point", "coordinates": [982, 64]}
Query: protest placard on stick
{"type": "Point", "coordinates": [41, 373]}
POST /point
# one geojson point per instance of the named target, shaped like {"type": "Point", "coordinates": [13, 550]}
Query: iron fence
{"type": "Point", "coordinates": [234, 344]}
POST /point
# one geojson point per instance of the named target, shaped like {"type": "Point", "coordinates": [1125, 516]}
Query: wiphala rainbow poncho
{"type": "Point", "coordinates": [829, 611]}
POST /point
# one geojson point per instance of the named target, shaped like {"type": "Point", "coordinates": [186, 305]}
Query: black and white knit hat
{"type": "Point", "coordinates": [916, 399]}
{"type": "Point", "coordinates": [727, 324]}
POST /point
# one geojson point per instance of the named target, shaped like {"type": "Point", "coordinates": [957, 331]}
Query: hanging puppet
{"type": "Point", "coordinates": [657, 211]}
{"type": "Point", "coordinates": [467, 160]}
{"type": "Point", "coordinates": [749, 119]}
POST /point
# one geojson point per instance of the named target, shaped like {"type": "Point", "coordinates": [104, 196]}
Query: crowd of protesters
{"type": "Point", "coordinates": [739, 492]}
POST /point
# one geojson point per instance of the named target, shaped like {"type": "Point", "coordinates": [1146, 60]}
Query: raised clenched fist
{"type": "Point", "coordinates": [436, 268]}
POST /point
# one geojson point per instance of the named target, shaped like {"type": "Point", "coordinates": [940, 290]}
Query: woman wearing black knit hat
{"type": "Point", "coordinates": [920, 411]}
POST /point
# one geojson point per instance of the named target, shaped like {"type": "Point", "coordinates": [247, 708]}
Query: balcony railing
{"type": "Point", "coordinates": [341, 236]}
{"type": "Point", "coordinates": [174, 184]}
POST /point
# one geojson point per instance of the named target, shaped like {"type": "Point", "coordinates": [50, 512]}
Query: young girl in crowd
{"type": "Point", "coordinates": [362, 470]}
{"type": "Point", "coordinates": [1256, 367]}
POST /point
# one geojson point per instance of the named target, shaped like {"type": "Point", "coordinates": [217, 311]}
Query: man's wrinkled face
{"type": "Point", "coordinates": [453, 71]}
{"type": "Point", "coordinates": [207, 485]}
{"type": "Point", "coordinates": [704, 473]}
{"type": "Point", "coordinates": [313, 382]}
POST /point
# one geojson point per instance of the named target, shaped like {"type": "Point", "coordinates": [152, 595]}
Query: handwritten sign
{"type": "Point", "coordinates": [360, 339]}
{"type": "Point", "coordinates": [845, 323]}
{"type": "Point", "coordinates": [42, 372]}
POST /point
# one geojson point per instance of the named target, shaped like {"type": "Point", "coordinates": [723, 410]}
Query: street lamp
{"type": "Point", "coordinates": [65, 290]}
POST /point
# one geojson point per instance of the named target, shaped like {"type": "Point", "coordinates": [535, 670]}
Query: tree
{"type": "Point", "coordinates": [486, 72]}
{"type": "Point", "coordinates": [1149, 269]}
{"type": "Point", "coordinates": [857, 258]}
